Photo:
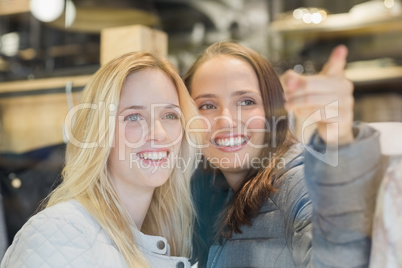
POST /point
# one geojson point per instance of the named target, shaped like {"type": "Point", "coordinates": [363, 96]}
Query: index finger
{"type": "Point", "coordinates": [336, 62]}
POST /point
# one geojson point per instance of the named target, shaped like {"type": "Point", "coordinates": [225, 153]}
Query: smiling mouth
{"type": "Point", "coordinates": [153, 156]}
{"type": "Point", "coordinates": [230, 142]}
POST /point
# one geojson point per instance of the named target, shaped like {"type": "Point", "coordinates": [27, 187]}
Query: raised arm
{"type": "Point", "coordinates": [342, 170]}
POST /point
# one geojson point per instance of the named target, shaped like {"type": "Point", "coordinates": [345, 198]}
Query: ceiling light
{"type": "Point", "coordinates": [47, 10]}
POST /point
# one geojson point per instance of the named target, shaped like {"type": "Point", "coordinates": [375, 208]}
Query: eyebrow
{"type": "Point", "coordinates": [142, 107]}
{"type": "Point", "coordinates": [236, 93]}
{"type": "Point", "coordinates": [135, 107]}
{"type": "Point", "coordinates": [205, 96]}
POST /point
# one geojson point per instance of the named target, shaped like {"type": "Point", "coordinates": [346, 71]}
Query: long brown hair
{"type": "Point", "coordinates": [258, 184]}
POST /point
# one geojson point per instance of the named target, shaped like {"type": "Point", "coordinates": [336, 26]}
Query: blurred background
{"type": "Point", "coordinates": [49, 48]}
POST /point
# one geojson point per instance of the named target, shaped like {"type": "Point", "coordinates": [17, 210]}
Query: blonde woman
{"type": "Point", "coordinates": [124, 200]}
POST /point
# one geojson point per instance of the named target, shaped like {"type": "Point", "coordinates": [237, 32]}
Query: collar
{"type": "Point", "coordinates": [153, 243]}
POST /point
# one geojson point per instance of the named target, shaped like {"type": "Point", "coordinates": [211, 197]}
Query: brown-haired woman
{"type": "Point", "coordinates": [287, 204]}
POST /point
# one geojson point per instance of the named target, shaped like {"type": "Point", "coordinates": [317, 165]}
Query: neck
{"type": "Point", "coordinates": [136, 203]}
{"type": "Point", "coordinates": [137, 208]}
{"type": "Point", "coordinates": [234, 178]}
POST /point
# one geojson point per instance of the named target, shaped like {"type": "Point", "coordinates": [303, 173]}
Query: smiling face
{"type": "Point", "coordinates": [148, 132]}
{"type": "Point", "coordinates": [227, 93]}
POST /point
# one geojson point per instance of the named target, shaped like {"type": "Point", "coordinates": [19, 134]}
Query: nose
{"type": "Point", "coordinates": [226, 119]}
{"type": "Point", "coordinates": [156, 132]}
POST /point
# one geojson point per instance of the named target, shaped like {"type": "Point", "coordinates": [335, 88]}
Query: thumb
{"type": "Point", "coordinates": [336, 62]}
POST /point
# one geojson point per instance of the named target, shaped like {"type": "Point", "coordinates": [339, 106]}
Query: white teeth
{"type": "Point", "coordinates": [153, 155]}
{"type": "Point", "coordinates": [231, 142]}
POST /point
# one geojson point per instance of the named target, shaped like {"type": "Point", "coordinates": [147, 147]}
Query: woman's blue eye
{"type": "Point", "coordinates": [172, 116]}
{"type": "Point", "coordinates": [206, 107]}
{"type": "Point", "coordinates": [247, 102]}
{"type": "Point", "coordinates": [133, 117]}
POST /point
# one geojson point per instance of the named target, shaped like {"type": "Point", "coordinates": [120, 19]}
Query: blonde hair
{"type": "Point", "coordinates": [85, 176]}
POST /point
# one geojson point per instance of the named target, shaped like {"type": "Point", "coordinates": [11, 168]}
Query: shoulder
{"type": "Point", "coordinates": [71, 210]}
{"type": "Point", "coordinates": [68, 209]}
{"type": "Point", "coordinates": [67, 213]}
{"type": "Point", "coordinates": [290, 169]}
{"type": "Point", "coordinates": [292, 195]}
{"type": "Point", "coordinates": [64, 231]}
{"type": "Point", "coordinates": [60, 220]}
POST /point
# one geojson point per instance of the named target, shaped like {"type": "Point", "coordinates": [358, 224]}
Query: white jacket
{"type": "Point", "coordinates": [66, 235]}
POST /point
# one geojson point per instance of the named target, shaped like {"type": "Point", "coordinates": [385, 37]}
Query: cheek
{"type": "Point", "coordinates": [174, 132]}
{"type": "Point", "coordinates": [208, 123]}
{"type": "Point", "coordinates": [254, 120]}
{"type": "Point", "coordinates": [256, 124]}
{"type": "Point", "coordinates": [209, 152]}
{"type": "Point", "coordinates": [175, 137]}
{"type": "Point", "coordinates": [132, 134]}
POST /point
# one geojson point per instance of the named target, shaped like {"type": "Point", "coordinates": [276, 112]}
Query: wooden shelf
{"type": "Point", "coordinates": [376, 79]}
{"type": "Point", "coordinates": [344, 24]}
{"type": "Point", "coordinates": [42, 84]}
{"type": "Point", "coordinates": [378, 74]}
{"type": "Point", "coordinates": [11, 7]}
{"type": "Point", "coordinates": [33, 112]}
{"type": "Point", "coordinates": [348, 25]}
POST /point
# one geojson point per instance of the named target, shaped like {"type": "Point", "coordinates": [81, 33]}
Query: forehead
{"type": "Point", "coordinates": [226, 64]}
{"type": "Point", "coordinates": [224, 71]}
{"type": "Point", "coordinates": [148, 86]}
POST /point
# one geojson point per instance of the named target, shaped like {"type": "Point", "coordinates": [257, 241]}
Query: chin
{"type": "Point", "coordinates": [155, 177]}
{"type": "Point", "coordinates": [238, 161]}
